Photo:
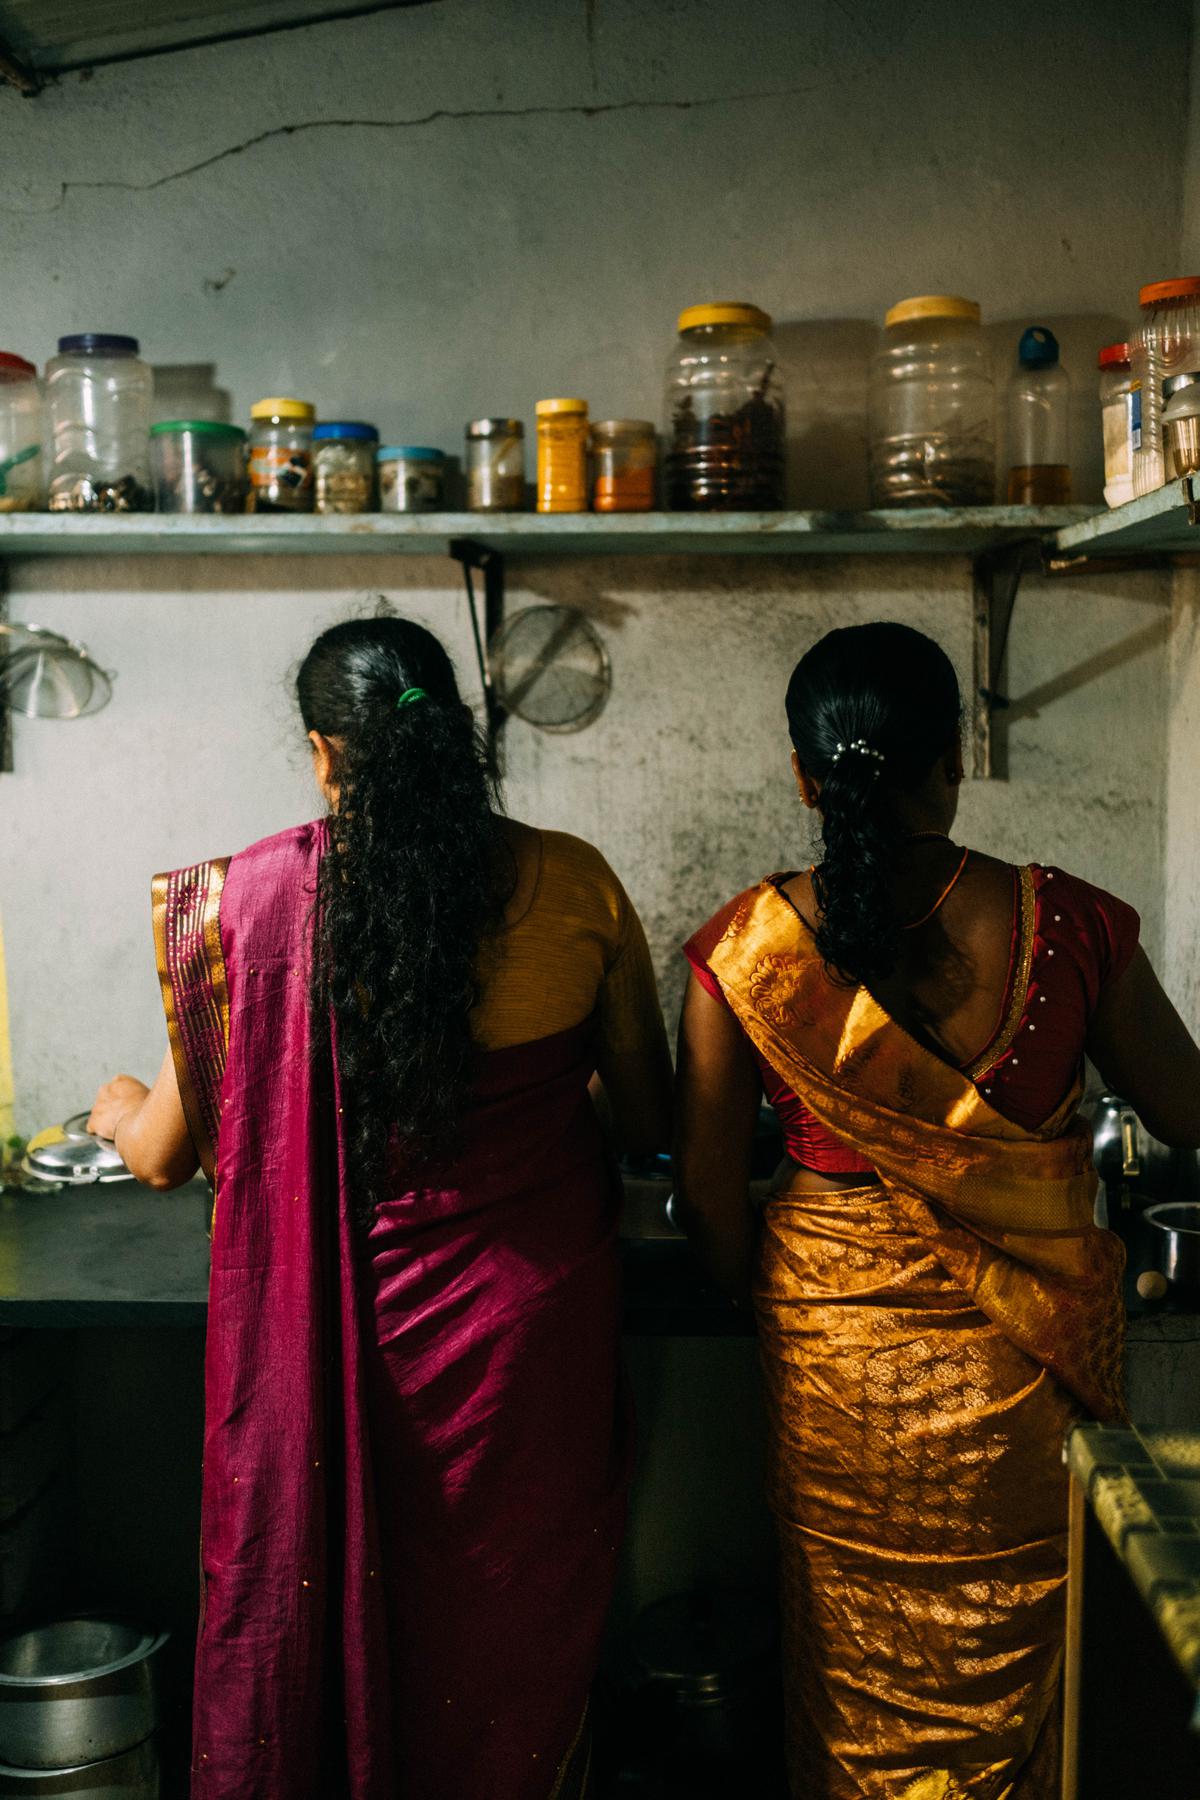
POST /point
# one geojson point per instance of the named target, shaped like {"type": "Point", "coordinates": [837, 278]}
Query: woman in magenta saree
{"type": "Point", "coordinates": [416, 1452]}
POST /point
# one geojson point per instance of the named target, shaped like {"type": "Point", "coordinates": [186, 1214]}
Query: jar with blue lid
{"type": "Point", "coordinates": [412, 478]}
{"type": "Point", "coordinates": [344, 466]}
{"type": "Point", "coordinates": [98, 393]}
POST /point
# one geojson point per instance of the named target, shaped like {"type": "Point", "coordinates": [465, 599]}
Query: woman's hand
{"type": "Point", "coordinates": [116, 1098]}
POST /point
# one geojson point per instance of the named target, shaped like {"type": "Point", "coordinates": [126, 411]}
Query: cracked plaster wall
{"type": "Point", "coordinates": [424, 215]}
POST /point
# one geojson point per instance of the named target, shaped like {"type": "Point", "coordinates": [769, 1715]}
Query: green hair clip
{"type": "Point", "coordinates": [409, 695]}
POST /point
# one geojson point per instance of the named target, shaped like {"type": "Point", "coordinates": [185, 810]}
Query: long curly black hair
{"type": "Point", "coordinates": [895, 691]}
{"type": "Point", "coordinates": [415, 880]}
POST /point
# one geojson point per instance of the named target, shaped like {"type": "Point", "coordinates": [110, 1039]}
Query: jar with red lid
{"type": "Point", "coordinates": [22, 478]}
{"type": "Point", "coordinates": [1166, 343]}
{"type": "Point", "coordinates": [1116, 398]}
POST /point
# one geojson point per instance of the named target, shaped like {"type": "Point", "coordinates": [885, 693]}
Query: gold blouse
{"type": "Point", "coordinates": [577, 949]}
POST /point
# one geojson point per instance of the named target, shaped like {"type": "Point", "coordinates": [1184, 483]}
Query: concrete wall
{"type": "Point", "coordinates": [431, 213]}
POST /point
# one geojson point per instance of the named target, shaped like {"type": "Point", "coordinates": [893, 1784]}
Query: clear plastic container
{"type": "Point", "coordinates": [562, 456]}
{"type": "Point", "coordinates": [344, 466]}
{"type": "Point", "coordinates": [1166, 343]}
{"type": "Point", "coordinates": [624, 463]}
{"type": "Point", "coordinates": [22, 480]}
{"type": "Point", "coordinates": [412, 478]}
{"type": "Point", "coordinates": [281, 475]}
{"type": "Point", "coordinates": [933, 439]}
{"type": "Point", "coordinates": [199, 466]}
{"type": "Point", "coordinates": [1116, 399]}
{"type": "Point", "coordinates": [495, 465]}
{"type": "Point", "coordinates": [1181, 424]}
{"type": "Point", "coordinates": [724, 412]}
{"type": "Point", "coordinates": [98, 396]}
{"type": "Point", "coordinates": [1039, 423]}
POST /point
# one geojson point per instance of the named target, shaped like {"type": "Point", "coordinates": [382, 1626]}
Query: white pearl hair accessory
{"type": "Point", "coordinates": [861, 746]}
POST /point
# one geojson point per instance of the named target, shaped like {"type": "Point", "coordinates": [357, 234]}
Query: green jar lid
{"type": "Point", "coordinates": [205, 427]}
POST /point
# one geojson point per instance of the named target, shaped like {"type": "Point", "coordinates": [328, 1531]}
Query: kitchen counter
{"type": "Point", "coordinates": [129, 1256]}
{"type": "Point", "coordinates": [1132, 1688]}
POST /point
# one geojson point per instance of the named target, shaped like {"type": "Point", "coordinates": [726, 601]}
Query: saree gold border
{"type": "Point", "coordinates": [1002, 1044]}
{"type": "Point", "coordinates": [216, 965]}
{"type": "Point", "coordinates": [566, 1766]}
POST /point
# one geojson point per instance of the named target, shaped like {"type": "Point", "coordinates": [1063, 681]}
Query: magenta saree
{"type": "Point", "coordinates": [415, 1452]}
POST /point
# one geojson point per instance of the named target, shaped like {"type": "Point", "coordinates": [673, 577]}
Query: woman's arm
{"type": "Point", "coordinates": [1146, 1054]}
{"type": "Point", "coordinates": [148, 1127]}
{"type": "Point", "coordinates": [717, 1093]}
{"type": "Point", "coordinates": [632, 1085]}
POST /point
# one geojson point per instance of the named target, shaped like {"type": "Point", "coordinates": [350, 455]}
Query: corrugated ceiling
{"type": "Point", "coordinates": [49, 36]}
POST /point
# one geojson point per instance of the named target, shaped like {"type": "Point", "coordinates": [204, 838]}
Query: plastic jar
{"type": "Point", "coordinates": [1039, 423]}
{"type": "Point", "coordinates": [1116, 398]}
{"type": "Point", "coordinates": [932, 407]}
{"type": "Point", "coordinates": [22, 484]}
{"type": "Point", "coordinates": [1166, 343]}
{"type": "Point", "coordinates": [281, 477]}
{"type": "Point", "coordinates": [344, 466]}
{"type": "Point", "coordinates": [562, 456]}
{"type": "Point", "coordinates": [199, 466]}
{"type": "Point", "coordinates": [495, 465]}
{"type": "Point", "coordinates": [98, 393]}
{"type": "Point", "coordinates": [1181, 424]}
{"type": "Point", "coordinates": [724, 412]}
{"type": "Point", "coordinates": [412, 478]}
{"type": "Point", "coordinates": [624, 459]}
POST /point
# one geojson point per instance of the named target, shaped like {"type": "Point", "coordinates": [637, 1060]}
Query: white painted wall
{"type": "Point", "coordinates": [424, 215]}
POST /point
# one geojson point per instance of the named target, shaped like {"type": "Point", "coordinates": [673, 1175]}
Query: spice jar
{"type": "Point", "coordinates": [1116, 396]}
{"type": "Point", "coordinates": [22, 487]}
{"type": "Point", "coordinates": [412, 478]}
{"type": "Point", "coordinates": [199, 466]}
{"type": "Point", "coordinates": [1166, 343]}
{"type": "Point", "coordinates": [562, 456]}
{"type": "Point", "coordinates": [344, 466]}
{"type": "Point", "coordinates": [495, 465]}
{"type": "Point", "coordinates": [932, 406]}
{"type": "Point", "coordinates": [724, 411]}
{"type": "Point", "coordinates": [98, 394]}
{"type": "Point", "coordinates": [1181, 424]}
{"type": "Point", "coordinates": [624, 456]}
{"type": "Point", "coordinates": [281, 433]}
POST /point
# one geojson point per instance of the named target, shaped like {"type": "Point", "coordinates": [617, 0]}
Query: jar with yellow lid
{"type": "Point", "coordinates": [724, 412]}
{"type": "Point", "coordinates": [280, 462]}
{"type": "Point", "coordinates": [562, 456]}
{"type": "Point", "coordinates": [933, 440]}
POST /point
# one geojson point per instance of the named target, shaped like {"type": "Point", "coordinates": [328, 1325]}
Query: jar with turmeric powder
{"type": "Point", "coordinates": [624, 458]}
{"type": "Point", "coordinates": [562, 456]}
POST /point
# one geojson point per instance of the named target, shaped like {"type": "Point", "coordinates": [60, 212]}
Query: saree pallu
{"type": "Point", "coordinates": [925, 1342]}
{"type": "Point", "coordinates": [416, 1452]}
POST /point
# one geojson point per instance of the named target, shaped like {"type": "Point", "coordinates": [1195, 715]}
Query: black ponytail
{"type": "Point", "coordinates": [416, 879]}
{"type": "Point", "coordinates": [870, 709]}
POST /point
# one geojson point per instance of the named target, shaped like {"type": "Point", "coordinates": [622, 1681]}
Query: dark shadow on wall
{"type": "Point", "coordinates": [826, 368]}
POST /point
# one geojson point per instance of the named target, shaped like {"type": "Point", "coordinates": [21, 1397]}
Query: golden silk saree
{"type": "Point", "coordinates": [925, 1343]}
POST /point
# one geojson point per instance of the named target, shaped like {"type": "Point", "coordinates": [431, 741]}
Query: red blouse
{"type": "Point", "coordinates": [1069, 941]}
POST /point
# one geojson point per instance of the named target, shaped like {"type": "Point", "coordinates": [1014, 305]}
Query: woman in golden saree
{"type": "Point", "coordinates": [934, 1301]}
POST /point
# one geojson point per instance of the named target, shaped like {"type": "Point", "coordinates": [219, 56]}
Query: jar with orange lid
{"type": "Point", "coordinates": [933, 439]}
{"type": "Point", "coordinates": [624, 459]}
{"type": "Point", "coordinates": [280, 462]}
{"type": "Point", "coordinates": [724, 412]}
{"type": "Point", "coordinates": [1166, 343]}
{"type": "Point", "coordinates": [562, 456]}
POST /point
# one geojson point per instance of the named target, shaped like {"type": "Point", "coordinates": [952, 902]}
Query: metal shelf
{"type": "Point", "coordinates": [966, 531]}
{"type": "Point", "coordinates": [1165, 523]}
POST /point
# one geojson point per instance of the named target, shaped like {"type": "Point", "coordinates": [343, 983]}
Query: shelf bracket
{"type": "Point", "coordinates": [996, 581]}
{"type": "Point", "coordinates": [472, 556]}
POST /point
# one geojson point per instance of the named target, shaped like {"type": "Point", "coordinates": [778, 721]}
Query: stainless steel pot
{"type": "Point", "coordinates": [131, 1776]}
{"type": "Point", "coordinates": [1176, 1225]}
{"type": "Point", "coordinates": [69, 1155]}
{"type": "Point", "coordinates": [77, 1691]}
